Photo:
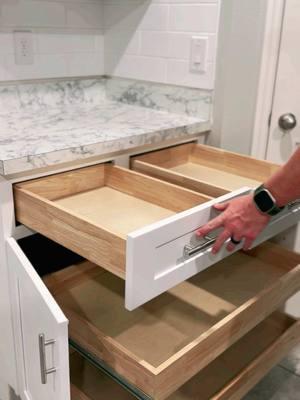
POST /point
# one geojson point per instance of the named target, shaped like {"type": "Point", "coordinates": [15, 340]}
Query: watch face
{"type": "Point", "coordinates": [264, 201]}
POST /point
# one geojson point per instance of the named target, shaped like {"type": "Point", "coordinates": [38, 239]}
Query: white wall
{"type": "Point", "coordinates": [242, 25]}
{"type": "Point", "coordinates": [155, 39]}
{"type": "Point", "coordinates": [67, 34]}
{"type": "Point", "coordinates": [143, 39]}
{"type": "Point", "coordinates": [146, 39]}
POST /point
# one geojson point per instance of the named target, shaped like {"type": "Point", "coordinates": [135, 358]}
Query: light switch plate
{"type": "Point", "coordinates": [23, 42]}
{"type": "Point", "coordinates": [198, 59]}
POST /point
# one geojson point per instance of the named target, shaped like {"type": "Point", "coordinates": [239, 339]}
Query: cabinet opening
{"type": "Point", "coordinates": [47, 256]}
{"type": "Point", "coordinates": [161, 345]}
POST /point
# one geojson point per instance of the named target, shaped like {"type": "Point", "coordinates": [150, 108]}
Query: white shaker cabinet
{"type": "Point", "coordinates": [135, 232]}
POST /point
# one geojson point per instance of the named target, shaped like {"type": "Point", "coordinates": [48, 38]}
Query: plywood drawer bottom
{"type": "Point", "coordinates": [229, 377]}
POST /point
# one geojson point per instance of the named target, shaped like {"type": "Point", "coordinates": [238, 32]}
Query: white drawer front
{"type": "Point", "coordinates": [155, 259]}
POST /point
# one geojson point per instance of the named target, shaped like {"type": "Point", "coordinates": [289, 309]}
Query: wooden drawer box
{"type": "Point", "coordinates": [135, 226]}
{"type": "Point", "coordinates": [163, 344]}
{"type": "Point", "coordinates": [203, 168]}
{"type": "Point", "coordinates": [229, 377]}
{"type": "Point", "coordinates": [93, 210]}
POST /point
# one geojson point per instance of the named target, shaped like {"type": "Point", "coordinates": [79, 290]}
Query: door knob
{"type": "Point", "coordinates": [287, 121]}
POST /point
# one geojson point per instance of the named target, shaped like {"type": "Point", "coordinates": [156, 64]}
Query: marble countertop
{"type": "Point", "coordinates": [45, 137]}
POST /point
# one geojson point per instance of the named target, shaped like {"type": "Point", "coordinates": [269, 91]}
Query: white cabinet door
{"type": "Point", "coordinates": [36, 313]}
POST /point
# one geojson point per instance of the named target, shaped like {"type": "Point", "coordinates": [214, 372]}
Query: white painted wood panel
{"type": "Point", "coordinates": [8, 375]}
{"type": "Point", "coordinates": [155, 254]}
{"type": "Point", "coordinates": [36, 312]}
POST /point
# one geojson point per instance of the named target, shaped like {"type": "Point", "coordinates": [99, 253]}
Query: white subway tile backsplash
{"type": "Point", "coordinates": [84, 64]}
{"type": "Point", "coordinates": [163, 30]}
{"type": "Point", "coordinates": [45, 66]}
{"type": "Point", "coordinates": [180, 45]}
{"type": "Point", "coordinates": [49, 43]}
{"type": "Point", "coordinates": [2, 69]}
{"type": "Point", "coordinates": [138, 67]}
{"type": "Point", "coordinates": [32, 14]}
{"type": "Point", "coordinates": [179, 74]}
{"type": "Point", "coordinates": [184, 1]}
{"type": "Point", "coordinates": [123, 15]}
{"type": "Point", "coordinates": [122, 41]}
{"type": "Point", "coordinates": [84, 15]}
{"type": "Point", "coordinates": [141, 39]}
{"type": "Point", "coordinates": [155, 18]}
{"type": "Point", "coordinates": [194, 17]}
{"type": "Point", "coordinates": [155, 44]}
{"type": "Point", "coordinates": [6, 44]}
{"type": "Point", "coordinates": [68, 37]}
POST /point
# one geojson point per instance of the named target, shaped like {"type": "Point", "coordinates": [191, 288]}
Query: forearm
{"type": "Point", "coordinates": [285, 183]}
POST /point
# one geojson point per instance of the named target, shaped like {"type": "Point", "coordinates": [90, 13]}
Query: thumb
{"type": "Point", "coordinates": [221, 206]}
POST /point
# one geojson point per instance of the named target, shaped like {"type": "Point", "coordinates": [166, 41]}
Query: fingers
{"type": "Point", "coordinates": [210, 226]}
{"type": "Point", "coordinates": [248, 243]}
{"type": "Point", "coordinates": [215, 223]}
{"type": "Point", "coordinates": [221, 206]}
{"type": "Point", "coordinates": [220, 241]}
{"type": "Point", "coordinates": [231, 246]}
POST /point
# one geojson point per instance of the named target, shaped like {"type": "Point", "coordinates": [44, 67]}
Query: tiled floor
{"type": "Point", "coordinates": [282, 383]}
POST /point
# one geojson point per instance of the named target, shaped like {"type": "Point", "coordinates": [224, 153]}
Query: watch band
{"type": "Point", "coordinates": [274, 210]}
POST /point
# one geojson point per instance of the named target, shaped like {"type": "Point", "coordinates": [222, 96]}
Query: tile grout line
{"type": "Point", "coordinates": [289, 370]}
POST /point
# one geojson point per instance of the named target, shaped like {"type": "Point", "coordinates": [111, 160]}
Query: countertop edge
{"type": "Point", "coordinates": [84, 153]}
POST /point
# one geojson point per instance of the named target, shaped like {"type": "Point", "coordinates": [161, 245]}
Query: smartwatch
{"type": "Point", "coordinates": [265, 202]}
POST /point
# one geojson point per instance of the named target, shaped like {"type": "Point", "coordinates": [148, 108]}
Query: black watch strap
{"type": "Point", "coordinates": [274, 209]}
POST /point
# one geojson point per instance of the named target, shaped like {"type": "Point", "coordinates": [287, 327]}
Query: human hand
{"type": "Point", "coordinates": [240, 219]}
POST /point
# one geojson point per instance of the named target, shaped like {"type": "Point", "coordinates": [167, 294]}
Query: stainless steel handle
{"type": "Point", "coordinates": [42, 346]}
{"type": "Point", "coordinates": [190, 250]}
{"type": "Point", "coordinates": [287, 121]}
{"type": "Point", "coordinates": [293, 204]}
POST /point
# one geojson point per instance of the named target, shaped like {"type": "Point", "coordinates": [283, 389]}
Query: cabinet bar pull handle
{"type": "Point", "coordinates": [42, 346]}
{"type": "Point", "coordinates": [190, 250]}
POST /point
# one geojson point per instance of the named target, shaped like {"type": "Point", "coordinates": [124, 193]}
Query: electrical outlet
{"type": "Point", "coordinates": [23, 48]}
{"type": "Point", "coordinates": [198, 60]}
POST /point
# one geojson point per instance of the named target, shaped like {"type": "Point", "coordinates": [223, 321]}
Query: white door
{"type": "Point", "coordinates": [282, 142]}
{"type": "Point", "coordinates": [41, 333]}
{"type": "Point", "coordinates": [284, 134]}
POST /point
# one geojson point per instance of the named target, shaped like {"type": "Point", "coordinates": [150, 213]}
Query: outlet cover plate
{"type": "Point", "coordinates": [24, 53]}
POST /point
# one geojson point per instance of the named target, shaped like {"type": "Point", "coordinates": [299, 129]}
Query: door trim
{"type": "Point", "coordinates": [267, 79]}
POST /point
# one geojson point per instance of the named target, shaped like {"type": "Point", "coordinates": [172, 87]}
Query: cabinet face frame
{"type": "Point", "coordinates": [12, 373]}
{"type": "Point", "coordinates": [278, 288]}
{"type": "Point", "coordinates": [8, 352]}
